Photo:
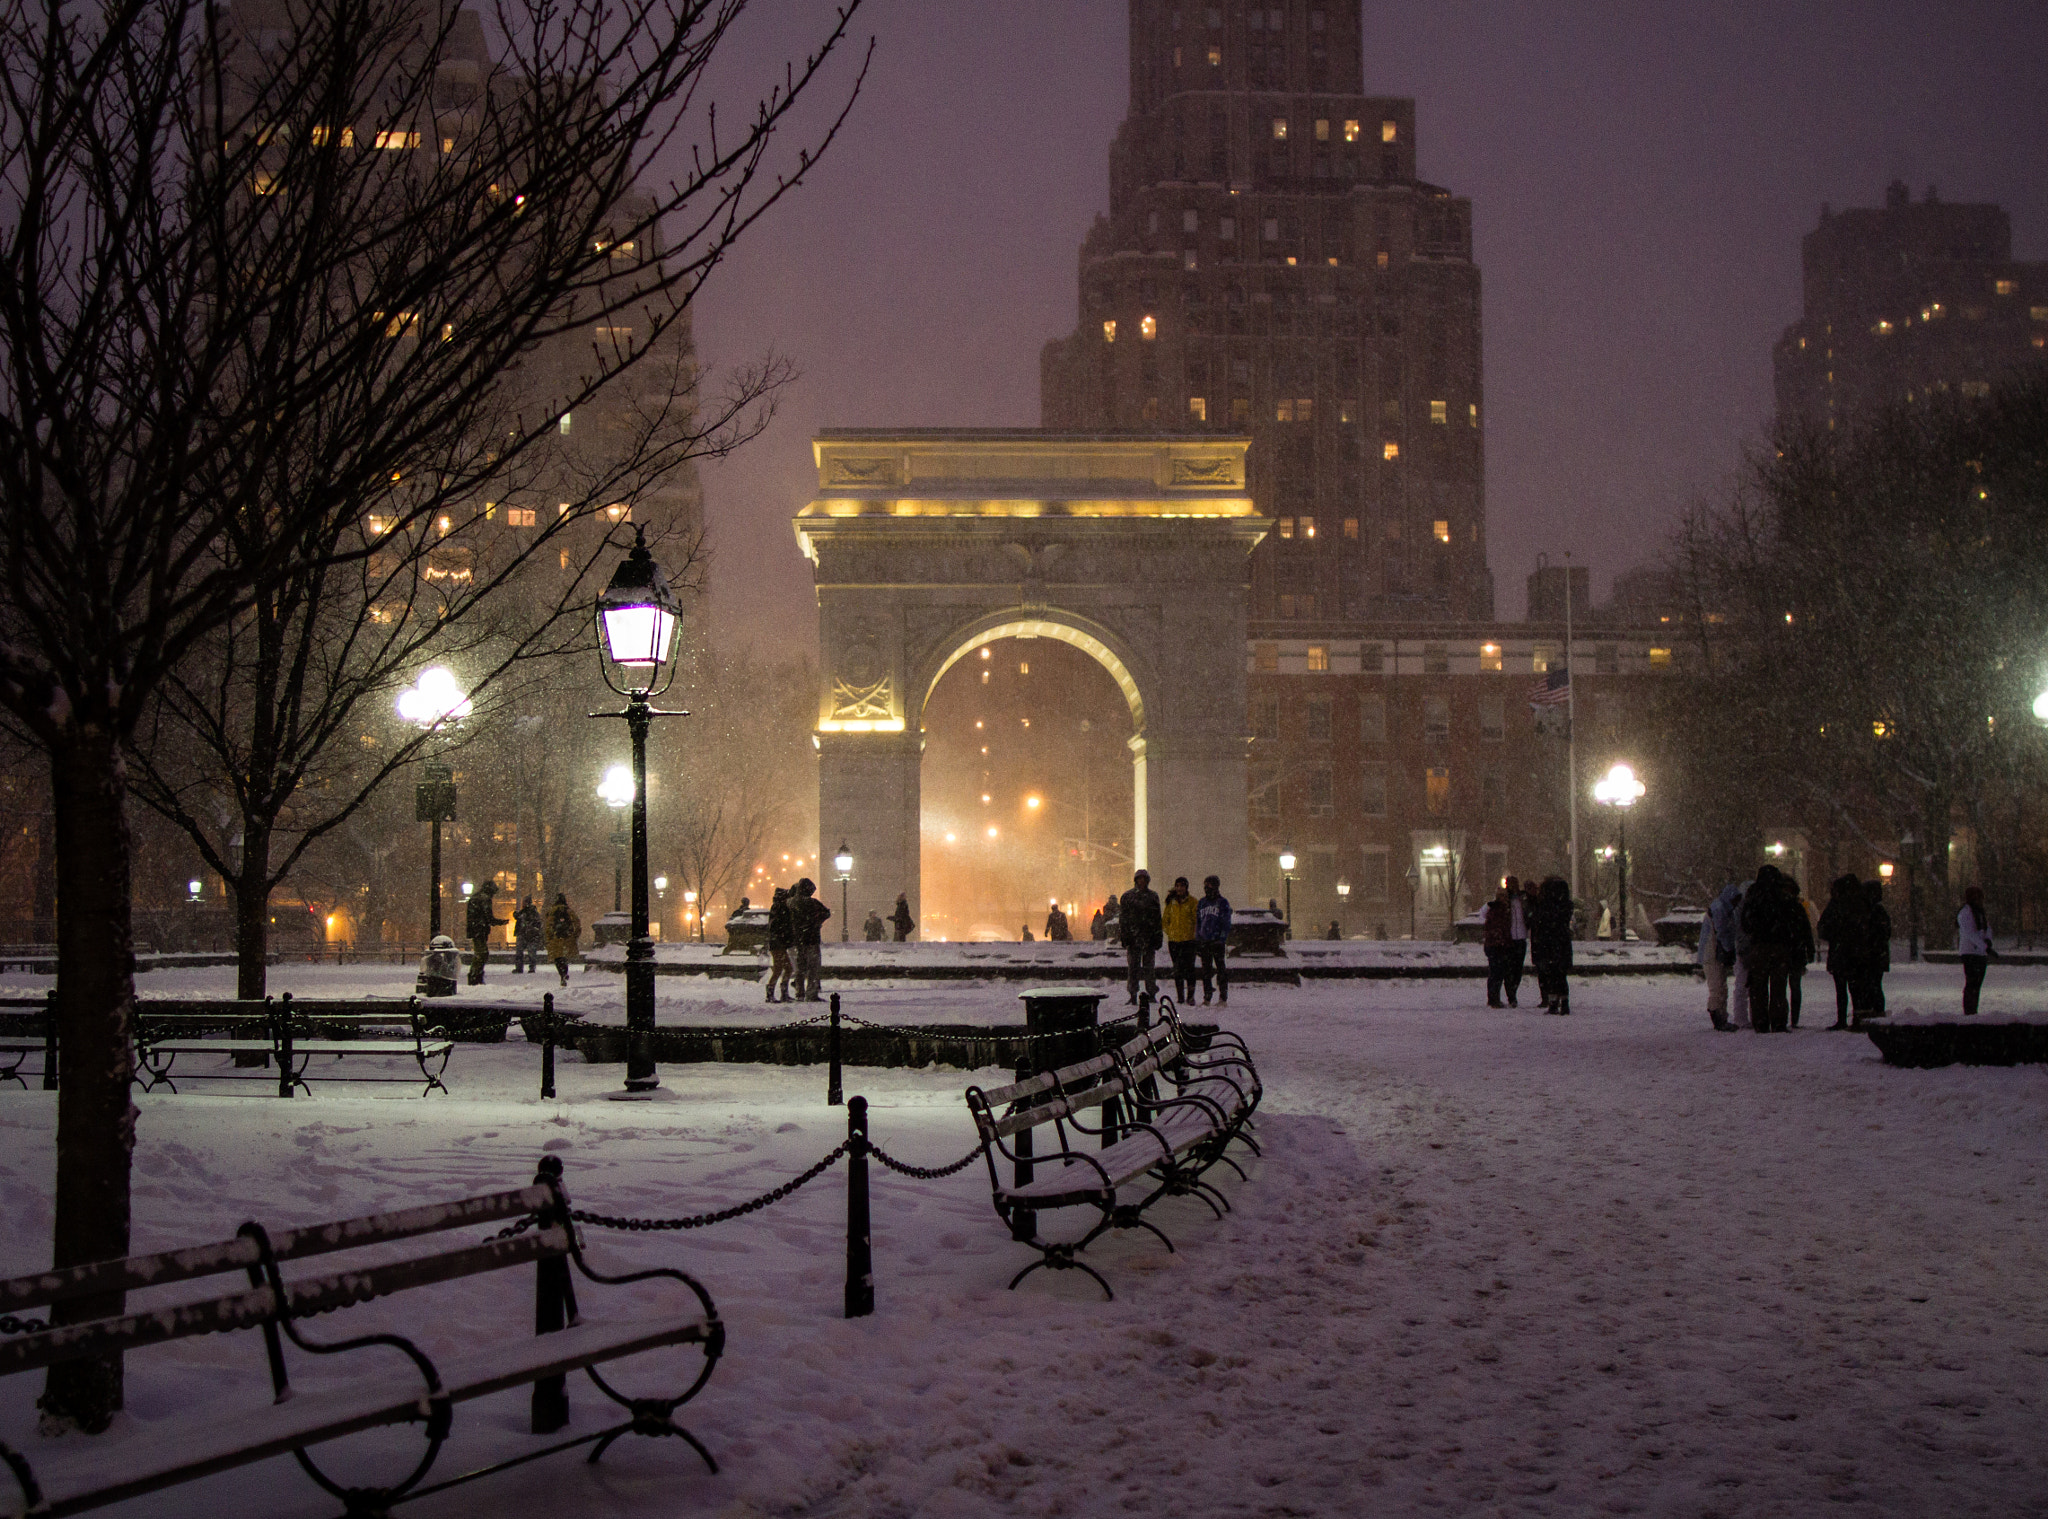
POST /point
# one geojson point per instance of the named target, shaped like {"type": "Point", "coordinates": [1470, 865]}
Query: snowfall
{"type": "Point", "coordinates": [1491, 1262]}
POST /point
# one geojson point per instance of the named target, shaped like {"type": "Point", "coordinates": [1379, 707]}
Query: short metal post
{"type": "Point", "coordinates": [547, 1045]}
{"type": "Point", "coordinates": [551, 1299]}
{"type": "Point", "coordinates": [835, 1089]}
{"type": "Point", "coordinates": [283, 1037]}
{"type": "Point", "coordinates": [50, 1044]}
{"type": "Point", "coordinates": [860, 1259]}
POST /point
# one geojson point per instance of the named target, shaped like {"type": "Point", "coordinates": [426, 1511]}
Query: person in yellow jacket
{"type": "Point", "coordinates": [1177, 916]}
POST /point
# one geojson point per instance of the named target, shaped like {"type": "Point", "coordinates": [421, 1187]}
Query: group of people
{"type": "Point", "coordinates": [796, 945]}
{"type": "Point", "coordinates": [1534, 927]}
{"type": "Point", "coordinates": [876, 928]}
{"type": "Point", "coordinates": [1193, 930]}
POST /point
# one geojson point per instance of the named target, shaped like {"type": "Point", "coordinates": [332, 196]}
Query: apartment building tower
{"type": "Point", "coordinates": [1272, 266]}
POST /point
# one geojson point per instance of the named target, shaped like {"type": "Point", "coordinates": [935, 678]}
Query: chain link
{"type": "Point", "coordinates": [923, 1173]}
{"type": "Point", "coordinates": [9, 1324]}
{"type": "Point", "coordinates": [704, 1220]}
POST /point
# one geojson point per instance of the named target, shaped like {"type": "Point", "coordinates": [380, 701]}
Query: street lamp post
{"type": "Point", "coordinates": [433, 702]}
{"type": "Point", "coordinates": [1414, 894]}
{"type": "Point", "coordinates": [843, 863]}
{"type": "Point", "coordinates": [1287, 886]}
{"type": "Point", "coordinates": [1620, 790]}
{"type": "Point", "coordinates": [638, 617]}
{"type": "Point", "coordinates": [1343, 901]}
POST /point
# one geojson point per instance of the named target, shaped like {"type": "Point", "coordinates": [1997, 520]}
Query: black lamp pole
{"type": "Point", "coordinates": [1621, 825]}
{"type": "Point", "coordinates": [640, 1073]}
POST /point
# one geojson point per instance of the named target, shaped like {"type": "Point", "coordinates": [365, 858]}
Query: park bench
{"type": "Point", "coordinates": [290, 1034]}
{"type": "Point", "coordinates": [28, 1027]}
{"type": "Point", "coordinates": [397, 1382]}
{"type": "Point", "coordinates": [1151, 1145]}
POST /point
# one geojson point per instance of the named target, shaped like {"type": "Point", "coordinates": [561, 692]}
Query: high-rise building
{"type": "Point", "coordinates": [1916, 300]}
{"type": "Point", "coordinates": [1272, 266]}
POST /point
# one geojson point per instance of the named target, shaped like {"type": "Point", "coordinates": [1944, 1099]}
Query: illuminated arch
{"type": "Point", "coordinates": [1098, 643]}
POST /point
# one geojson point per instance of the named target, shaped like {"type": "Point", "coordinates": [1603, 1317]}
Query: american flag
{"type": "Point", "coordinates": [1554, 689]}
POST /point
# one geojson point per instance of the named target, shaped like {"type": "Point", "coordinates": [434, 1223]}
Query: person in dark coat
{"type": "Point", "coordinates": [900, 919]}
{"type": "Point", "coordinates": [1056, 929]}
{"type": "Point", "coordinates": [808, 917]}
{"type": "Point", "coordinates": [1102, 927]}
{"type": "Point", "coordinates": [1498, 923]}
{"type": "Point", "coordinates": [781, 945]}
{"type": "Point", "coordinates": [1212, 939]}
{"type": "Point", "coordinates": [1518, 939]}
{"type": "Point", "coordinates": [1841, 925]}
{"type": "Point", "coordinates": [529, 934]}
{"type": "Point", "coordinates": [1873, 955]}
{"type": "Point", "coordinates": [1802, 945]}
{"type": "Point", "coordinates": [565, 932]}
{"type": "Point", "coordinates": [1550, 944]}
{"type": "Point", "coordinates": [1141, 930]}
{"type": "Point", "coordinates": [478, 923]}
{"type": "Point", "coordinates": [874, 929]}
{"type": "Point", "coordinates": [1771, 943]}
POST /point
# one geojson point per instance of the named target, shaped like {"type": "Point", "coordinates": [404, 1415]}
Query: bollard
{"type": "Point", "coordinates": [860, 1259]}
{"type": "Point", "coordinates": [554, 1304]}
{"type": "Point", "coordinates": [835, 1090]}
{"type": "Point", "coordinates": [283, 1015]}
{"type": "Point", "coordinates": [547, 1045]}
{"type": "Point", "coordinates": [50, 1044]}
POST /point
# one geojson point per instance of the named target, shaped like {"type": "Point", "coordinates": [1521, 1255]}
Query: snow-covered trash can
{"type": "Point", "coordinates": [439, 968]}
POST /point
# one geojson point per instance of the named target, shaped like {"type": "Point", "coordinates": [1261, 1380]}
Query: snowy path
{"type": "Point", "coordinates": [1493, 1263]}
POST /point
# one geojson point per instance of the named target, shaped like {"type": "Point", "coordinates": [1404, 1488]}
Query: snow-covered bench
{"type": "Point", "coordinates": [1149, 1145]}
{"type": "Point", "coordinates": [397, 1383]}
{"type": "Point", "coordinates": [290, 1033]}
{"type": "Point", "coordinates": [28, 1027]}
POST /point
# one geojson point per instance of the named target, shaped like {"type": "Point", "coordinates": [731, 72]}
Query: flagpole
{"type": "Point", "coordinates": [1571, 727]}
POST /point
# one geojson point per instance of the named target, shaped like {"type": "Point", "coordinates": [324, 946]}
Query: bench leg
{"type": "Point", "coordinates": [652, 1417]}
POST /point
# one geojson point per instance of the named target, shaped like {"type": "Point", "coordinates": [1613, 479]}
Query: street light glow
{"type": "Point", "coordinates": [1619, 788]}
{"type": "Point", "coordinates": [1287, 859]}
{"type": "Point", "coordinates": [2041, 708]}
{"type": "Point", "coordinates": [616, 789]}
{"type": "Point", "coordinates": [435, 698]}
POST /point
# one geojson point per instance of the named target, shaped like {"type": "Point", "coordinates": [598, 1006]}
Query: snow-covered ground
{"type": "Point", "coordinates": [1492, 1263]}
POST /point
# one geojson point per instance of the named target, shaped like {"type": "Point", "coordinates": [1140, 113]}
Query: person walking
{"type": "Point", "coordinates": [808, 916]}
{"type": "Point", "coordinates": [529, 936]}
{"type": "Point", "coordinates": [1973, 947]}
{"type": "Point", "coordinates": [900, 919]}
{"type": "Point", "coordinates": [1496, 922]}
{"type": "Point", "coordinates": [1550, 944]}
{"type": "Point", "coordinates": [1212, 939]}
{"type": "Point", "coordinates": [1841, 925]}
{"type": "Point", "coordinates": [1056, 929]}
{"type": "Point", "coordinates": [781, 945]}
{"type": "Point", "coordinates": [478, 923]}
{"type": "Point", "coordinates": [874, 930]}
{"type": "Point", "coordinates": [1177, 917]}
{"type": "Point", "coordinates": [564, 932]}
{"type": "Point", "coordinates": [1140, 931]}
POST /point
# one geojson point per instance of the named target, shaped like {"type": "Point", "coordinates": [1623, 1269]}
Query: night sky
{"type": "Point", "coordinates": [1641, 176]}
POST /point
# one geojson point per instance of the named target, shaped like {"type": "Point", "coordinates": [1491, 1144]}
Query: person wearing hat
{"type": "Point", "coordinates": [478, 925]}
{"type": "Point", "coordinates": [565, 932]}
{"type": "Point", "coordinates": [1141, 930]}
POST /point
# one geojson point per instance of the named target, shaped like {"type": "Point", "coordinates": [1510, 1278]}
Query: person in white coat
{"type": "Point", "coordinates": [1973, 947]}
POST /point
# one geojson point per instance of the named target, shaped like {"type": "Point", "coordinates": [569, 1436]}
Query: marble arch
{"type": "Point", "coordinates": [926, 545]}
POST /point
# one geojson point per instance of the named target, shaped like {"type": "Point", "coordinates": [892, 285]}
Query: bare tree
{"type": "Point", "coordinates": [306, 247]}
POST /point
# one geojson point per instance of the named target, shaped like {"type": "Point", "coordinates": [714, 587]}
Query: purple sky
{"type": "Point", "coordinates": [1641, 175]}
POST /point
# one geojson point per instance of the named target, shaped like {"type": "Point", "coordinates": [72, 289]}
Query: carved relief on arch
{"type": "Point", "coordinates": [863, 686]}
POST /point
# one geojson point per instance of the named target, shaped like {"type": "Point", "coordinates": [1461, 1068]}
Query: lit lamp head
{"type": "Point", "coordinates": [193, 887]}
{"type": "Point", "coordinates": [843, 860]}
{"type": "Point", "coordinates": [1619, 788]}
{"type": "Point", "coordinates": [1343, 889]}
{"type": "Point", "coordinates": [2041, 709]}
{"type": "Point", "coordinates": [1286, 860]}
{"type": "Point", "coordinates": [638, 618]}
{"type": "Point", "coordinates": [433, 700]}
{"type": "Point", "coordinates": [661, 884]}
{"type": "Point", "coordinates": [1885, 870]}
{"type": "Point", "coordinates": [616, 789]}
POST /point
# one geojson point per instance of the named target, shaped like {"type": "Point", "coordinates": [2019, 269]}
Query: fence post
{"type": "Point", "coordinates": [282, 1034]}
{"type": "Point", "coordinates": [835, 1090]}
{"type": "Point", "coordinates": [547, 1045]}
{"type": "Point", "coordinates": [860, 1257]}
{"type": "Point", "coordinates": [550, 1313]}
{"type": "Point", "coordinates": [50, 1043]}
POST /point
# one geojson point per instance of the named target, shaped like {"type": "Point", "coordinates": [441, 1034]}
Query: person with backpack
{"type": "Point", "coordinates": [1973, 947]}
{"type": "Point", "coordinates": [529, 936]}
{"type": "Point", "coordinates": [1212, 939]}
{"type": "Point", "coordinates": [564, 931]}
{"type": "Point", "coordinates": [808, 917]}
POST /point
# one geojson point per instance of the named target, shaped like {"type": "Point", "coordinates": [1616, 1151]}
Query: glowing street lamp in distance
{"type": "Point", "coordinates": [1619, 788]}
{"type": "Point", "coordinates": [616, 789]}
{"type": "Point", "coordinates": [435, 698]}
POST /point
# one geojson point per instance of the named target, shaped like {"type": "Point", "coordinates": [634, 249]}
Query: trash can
{"type": "Point", "coordinates": [1068, 1014]}
{"type": "Point", "coordinates": [438, 968]}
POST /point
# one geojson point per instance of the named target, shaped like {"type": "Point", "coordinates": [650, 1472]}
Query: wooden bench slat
{"type": "Point", "coordinates": [73, 1481]}
{"type": "Point", "coordinates": [137, 1272]}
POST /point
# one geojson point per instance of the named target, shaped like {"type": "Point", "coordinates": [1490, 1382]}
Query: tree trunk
{"type": "Point", "coordinates": [252, 913]}
{"type": "Point", "coordinates": [95, 1003]}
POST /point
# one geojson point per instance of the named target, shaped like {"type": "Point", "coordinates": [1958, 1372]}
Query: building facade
{"type": "Point", "coordinates": [1903, 304]}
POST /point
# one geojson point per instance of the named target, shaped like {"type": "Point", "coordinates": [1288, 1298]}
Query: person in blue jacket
{"type": "Point", "coordinates": [1212, 934]}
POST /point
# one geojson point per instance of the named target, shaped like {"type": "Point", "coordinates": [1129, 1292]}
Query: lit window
{"type": "Point", "coordinates": [1279, 129]}
{"type": "Point", "coordinates": [263, 182]}
{"type": "Point", "coordinates": [2039, 313]}
{"type": "Point", "coordinates": [1347, 411]}
{"type": "Point", "coordinates": [1150, 411]}
{"type": "Point", "coordinates": [1109, 332]}
{"type": "Point", "coordinates": [1198, 408]}
{"type": "Point", "coordinates": [1176, 57]}
{"type": "Point", "coordinates": [378, 527]}
{"type": "Point", "coordinates": [1322, 131]}
{"type": "Point", "coordinates": [396, 140]}
{"type": "Point", "coordinates": [1882, 329]}
{"type": "Point", "coordinates": [1351, 529]}
{"type": "Point", "coordinates": [1284, 412]}
{"type": "Point", "coordinates": [1382, 259]}
{"type": "Point", "coordinates": [447, 145]}
{"type": "Point", "coordinates": [1305, 410]}
{"type": "Point", "coordinates": [522, 516]}
{"type": "Point", "coordinates": [1389, 131]}
{"type": "Point", "coordinates": [567, 418]}
{"type": "Point", "coordinates": [1024, 668]}
{"type": "Point", "coordinates": [1541, 660]}
{"type": "Point", "coordinates": [1442, 531]}
{"type": "Point", "coordinates": [619, 511]}
{"type": "Point", "coordinates": [1391, 450]}
{"type": "Point", "coordinates": [1489, 657]}
{"type": "Point", "coordinates": [447, 332]}
{"type": "Point", "coordinates": [1439, 789]}
{"type": "Point", "coordinates": [1148, 329]}
{"type": "Point", "coordinates": [1440, 412]}
{"type": "Point", "coordinates": [1351, 131]}
{"type": "Point", "coordinates": [2006, 287]}
{"type": "Point", "coordinates": [1266, 657]}
{"type": "Point", "coordinates": [1190, 259]}
{"type": "Point", "coordinates": [1308, 526]}
{"type": "Point", "coordinates": [1319, 657]}
{"type": "Point", "coordinates": [1473, 413]}
{"type": "Point", "coordinates": [1660, 656]}
{"type": "Point", "coordinates": [565, 559]}
{"type": "Point", "coordinates": [1215, 57]}
{"type": "Point", "coordinates": [1291, 260]}
{"type": "Point", "coordinates": [1286, 527]}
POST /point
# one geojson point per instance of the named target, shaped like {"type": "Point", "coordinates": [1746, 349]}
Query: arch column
{"type": "Point", "coordinates": [870, 796]}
